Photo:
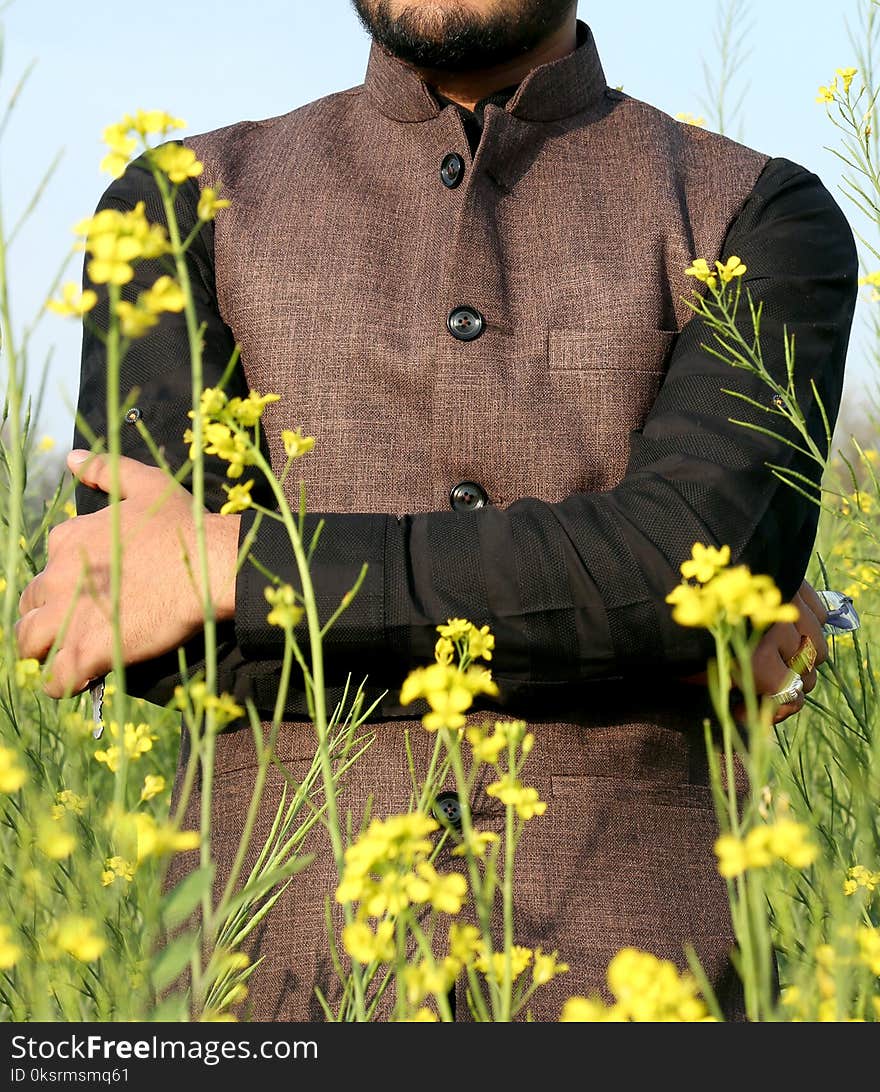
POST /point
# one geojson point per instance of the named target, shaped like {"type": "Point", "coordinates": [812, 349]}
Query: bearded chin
{"type": "Point", "coordinates": [453, 37]}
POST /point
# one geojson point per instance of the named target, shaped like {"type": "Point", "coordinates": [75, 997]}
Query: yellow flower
{"type": "Point", "coordinates": [165, 294]}
{"type": "Point", "coordinates": [429, 978]}
{"type": "Point", "coordinates": [705, 562]}
{"type": "Point", "coordinates": [69, 509]}
{"type": "Point", "coordinates": [860, 877]}
{"type": "Point", "coordinates": [445, 893]}
{"type": "Point", "coordinates": [10, 952]}
{"type": "Point", "coordinates": [477, 844]}
{"type": "Point", "coordinates": [546, 967]}
{"type": "Point", "coordinates": [847, 75]}
{"type": "Point", "coordinates": [117, 868]}
{"type": "Point", "coordinates": [46, 444]}
{"type": "Point", "coordinates": [12, 776]}
{"type": "Point", "coordinates": [68, 801]}
{"type": "Point", "coordinates": [444, 651]}
{"type": "Point", "coordinates": [78, 936]}
{"type": "Point", "coordinates": [210, 204]}
{"type": "Point", "coordinates": [379, 866]}
{"type": "Point", "coordinates": [733, 267]}
{"type": "Point", "coordinates": [177, 161]}
{"type": "Point", "coordinates": [295, 444]}
{"type": "Point", "coordinates": [690, 119]}
{"type": "Point", "coordinates": [872, 279]}
{"type": "Point", "coordinates": [700, 269]}
{"type": "Point", "coordinates": [826, 94]}
{"type": "Point", "coordinates": [729, 594]}
{"type": "Point", "coordinates": [225, 709]}
{"type": "Point", "coordinates": [154, 784]}
{"type": "Point", "coordinates": [54, 840]}
{"type": "Point", "coordinates": [136, 738]}
{"type": "Point", "coordinates": [488, 748]}
{"type": "Point", "coordinates": [212, 402]}
{"type": "Point", "coordinates": [145, 837]}
{"type": "Point", "coordinates": [285, 612]}
{"type": "Point", "coordinates": [134, 321]}
{"type": "Point", "coordinates": [478, 642]}
{"type": "Point", "coordinates": [651, 989]}
{"type": "Point", "coordinates": [510, 791]}
{"type": "Point", "coordinates": [154, 122]}
{"type": "Point", "coordinates": [74, 302]}
{"type": "Point", "coordinates": [465, 942]}
{"type": "Point", "coordinates": [448, 691]}
{"type": "Point", "coordinates": [868, 938]}
{"type": "Point", "coordinates": [115, 239]}
{"type": "Point", "coordinates": [520, 958]}
{"type": "Point", "coordinates": [239, 498]}
{"type": "Point", "coordinates": [784, 840]}
{"type": "Point", "coordinates": [248, 411]}
{"type": "Point", "coordinates": [27, 674]}
{"type": "Point", "coordinates": [365, 946]}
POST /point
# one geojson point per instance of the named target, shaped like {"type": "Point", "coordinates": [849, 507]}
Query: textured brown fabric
{"type": "Point", "coordinates": [336, 266]}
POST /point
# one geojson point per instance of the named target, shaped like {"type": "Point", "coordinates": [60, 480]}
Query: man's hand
{"type": "Point", "coordinates": [160, 600]}
{"type": "Point", "coordinates": [778, 644]}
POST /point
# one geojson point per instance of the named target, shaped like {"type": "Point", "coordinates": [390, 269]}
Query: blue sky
{"type": "Point", "coordinates": [214, 62]}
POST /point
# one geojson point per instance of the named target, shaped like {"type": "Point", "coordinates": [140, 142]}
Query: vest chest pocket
{"type": "Point", "coordinates": [601, 384]}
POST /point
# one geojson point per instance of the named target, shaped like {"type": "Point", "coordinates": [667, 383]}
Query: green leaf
{"type": "Point", "coordinates": [183, 899]}
{"type": "Point", "coordinates": [171, 960]}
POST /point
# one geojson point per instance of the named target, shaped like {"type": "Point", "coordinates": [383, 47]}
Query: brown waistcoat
{"type": "Point", "coordinates": [336, 266]}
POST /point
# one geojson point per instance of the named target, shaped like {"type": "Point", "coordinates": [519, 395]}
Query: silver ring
{"type": "Point", "coordinates": [790, 693]}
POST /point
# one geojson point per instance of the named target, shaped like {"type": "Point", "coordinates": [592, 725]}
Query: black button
{"type": "Point", "coordinates": [452, 170]}
{"type": "Point", "coordinates": [447, 809]}
{"type": "Point", "coordinates": [134, 414]}
{"type": "Point", "coordinates": [465, 323]}
{"type": "Point", "coordinates": [467, 495]}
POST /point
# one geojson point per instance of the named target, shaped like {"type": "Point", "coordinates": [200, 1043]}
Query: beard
{"type": "Point", "coordinates": [450, 36]}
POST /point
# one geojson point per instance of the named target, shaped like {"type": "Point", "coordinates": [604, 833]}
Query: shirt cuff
{"type": "Point", "coordinates": [346, 541]}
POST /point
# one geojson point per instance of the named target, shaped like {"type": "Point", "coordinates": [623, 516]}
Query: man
{"type": "Point", "coordinates": [465, 278]}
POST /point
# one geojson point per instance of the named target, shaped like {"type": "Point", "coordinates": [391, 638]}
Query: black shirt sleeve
{"type": "Point", "coordinates": [576, 590]}
{"type": "Point", "coordinates": [156, 378]}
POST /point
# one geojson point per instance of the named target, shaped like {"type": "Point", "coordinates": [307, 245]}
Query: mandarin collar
{"type": "Point", "coordinates": [552, 91]}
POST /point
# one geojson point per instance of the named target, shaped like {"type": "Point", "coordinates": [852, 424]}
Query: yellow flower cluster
{"type": "Point", "coordinates": [137, 739]}
{"type": "Point", "coordinates": [12, 776]}
{"type": "Point", "coordinates": [489, 746]}
{"type": "Point", "coordinates": [784, 840]}
{"type": "Point", "coordinates": [646, 989]}
{"type": "Point", "coordinates": [829, 92]}
{"type": "Point", "coordinates": [194, 698]}
{"type": "Point", "coordinates": [868, 940]}
{"type": "Point", "coordinates": [724, 271]}
{"type": "Point", "coordinates": [466, 638]}
{"type": "Point", "coordinates": [726, 594]}
{"type": "Point", "coordinates": [27, 674]}
{"type": "Point", "coordinates": [448, 690]}
{"type": "Point", "coordinates": [122, 137]}
{"type": "Point", "coordinates": [859, 877]}
{"type": "Point", "coordinates": [78, 936]}
{"type": "Point", "coordinates": [137, 319]}
{"type": "Point", "coordinates": [141, 836]}
{"type": "Point", "coordinates": [691, 119]}
{"type": "Point", "coordinates": [68, 801]}
{"type": "Point", "coordinates": [387, 869]}
{"type": "Point", "coordinates": [114, 240]}
{"type": "Point", "coordinates": [117, 868]}
{"type": "Point", "coordinates": [154, 784]}
{"type": "Point", "coordinates": [10, 952]}
{"type": "Point", "coordinates": [55, 839]}
{"type": "Point", "coordinates": [239, 498]}
{"type": "Point", "coordinates": [510, 791]}
{"type": "Point", "coordinates": [285, 611]}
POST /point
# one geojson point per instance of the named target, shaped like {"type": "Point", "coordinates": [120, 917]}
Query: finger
{"type": "Point", "coordinates": [808, 593]}
{"type": "Point", "coordinates": [32, 597]}
{"type": "Point", "coordinates": [69, 674]}
{"type": "Point", "coordinates": [135, 478]}
{"type": "Point", "coordinates": [809, 625]}
{"type": "Point", "coordinates": [35, 634]}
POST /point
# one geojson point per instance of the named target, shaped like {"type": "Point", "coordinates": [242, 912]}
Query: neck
{"type": "Point", "coordinates": [467, 88]}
